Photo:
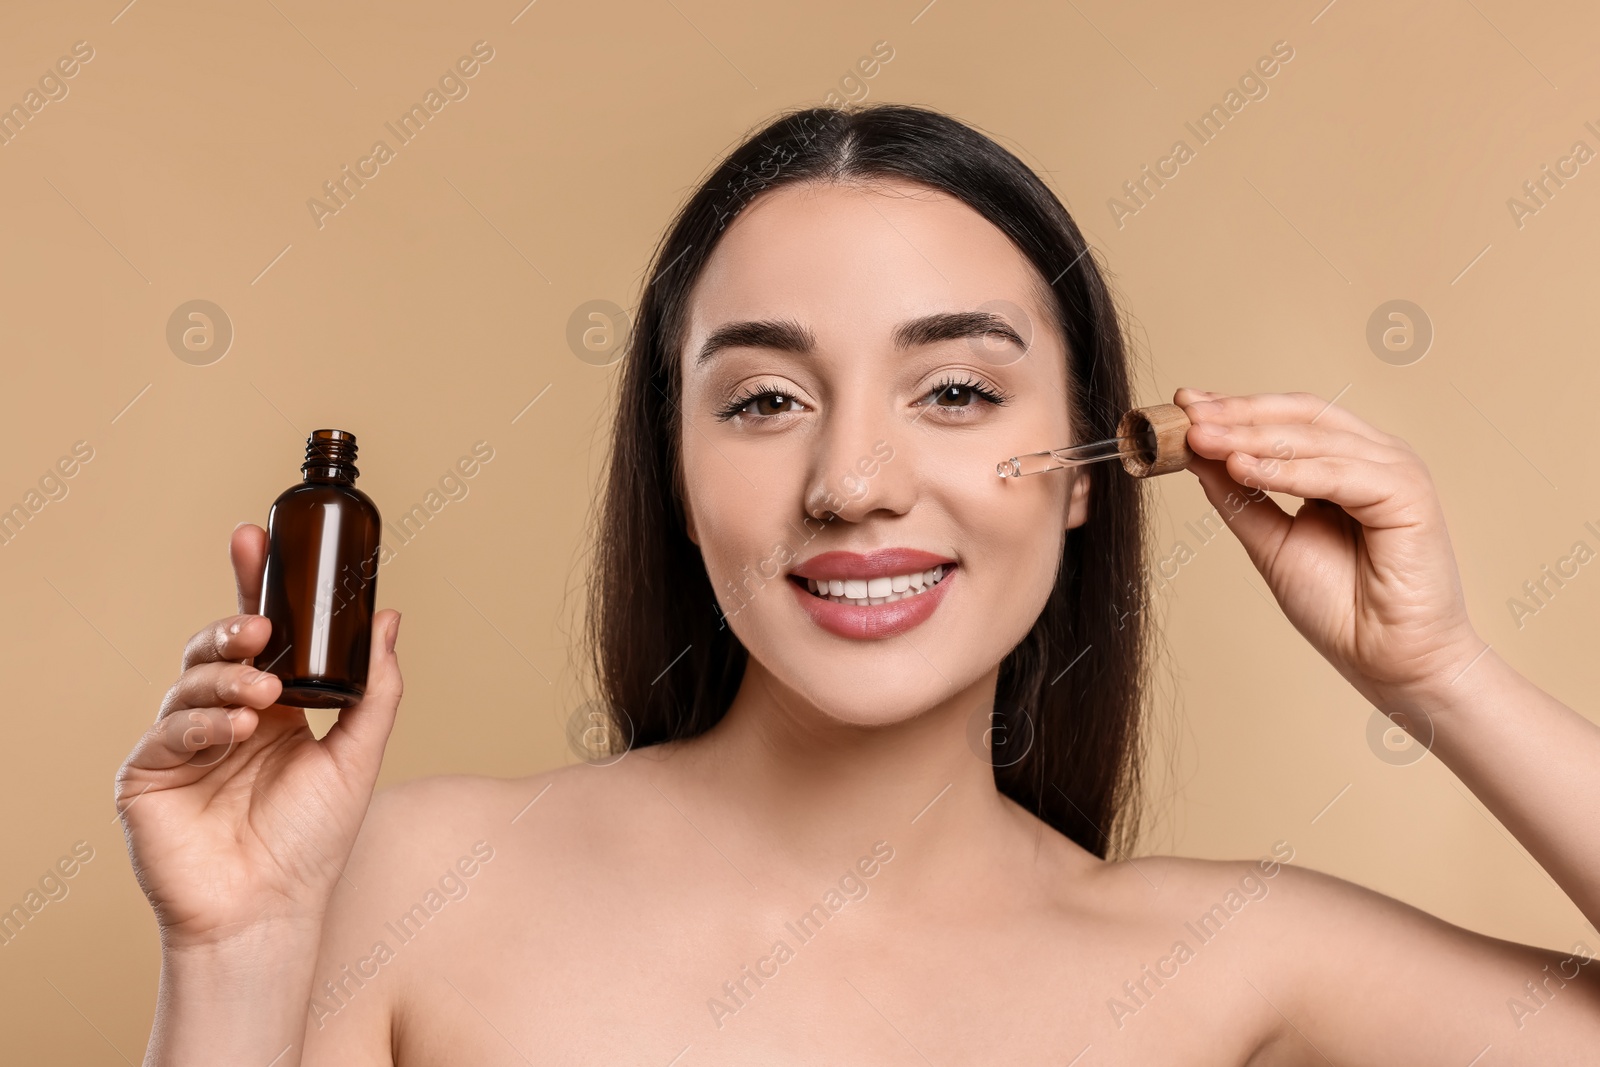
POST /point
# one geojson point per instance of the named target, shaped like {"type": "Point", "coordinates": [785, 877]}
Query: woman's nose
{"type": "Point", "coordinates": [857, 471]}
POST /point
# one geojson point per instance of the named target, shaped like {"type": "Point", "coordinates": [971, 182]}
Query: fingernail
{"type": "Point", "coordinates": [233, 713]}
{"type": "Point", "coordinates": [252, 676]}
{"type": "Point", "coordinates": [1211, 429]}
{"type": "Point", "coordinates": [1246, 460]}
{"type": "Point", "coordinates": [236, 626]}
{"type": "Point", "coordinates": [394, 632]}
{"type": "Point", "coordinates": [1204, 409]}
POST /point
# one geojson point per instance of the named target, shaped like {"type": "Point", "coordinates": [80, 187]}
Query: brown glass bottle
{"type": "Point", "coordinates": [321, 579]}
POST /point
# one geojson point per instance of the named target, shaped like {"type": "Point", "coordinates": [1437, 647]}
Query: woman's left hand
{"type": "Point", "coordinates": [1364, 568]}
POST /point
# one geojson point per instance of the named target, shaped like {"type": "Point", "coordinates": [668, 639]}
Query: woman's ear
{"type": "Point", "coordinates": [681, 498]}
{"type": "Point", "coordinates": [1078, 502]}
{"type": "Point", "coordinates": [688, 524]}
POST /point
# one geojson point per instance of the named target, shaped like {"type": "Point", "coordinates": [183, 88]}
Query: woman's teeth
{"type": "Point", "coordinates": [865, 591]}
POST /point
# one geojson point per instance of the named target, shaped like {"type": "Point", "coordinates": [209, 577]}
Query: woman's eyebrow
{"type": "Point", "coordinates": [789, 336]}
{"type": "Point", "coordinates": [949, 324]}
{"type": "Point", "coordinates": [785, 336]}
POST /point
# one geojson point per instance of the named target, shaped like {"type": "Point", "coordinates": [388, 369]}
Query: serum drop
{"type": "Point", "coordinates": [321, 579]}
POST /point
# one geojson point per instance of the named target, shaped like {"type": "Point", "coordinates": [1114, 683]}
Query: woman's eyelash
{"type": "Point", "coordinates": [745, 398]}
{"type": "Point", "coordinates": [757, 392]}
{"type": "Point", "coordinates": [988, 392]}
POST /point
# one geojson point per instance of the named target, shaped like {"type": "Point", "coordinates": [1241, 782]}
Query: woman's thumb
{"type": "Point", "coordinates": [359, 736]}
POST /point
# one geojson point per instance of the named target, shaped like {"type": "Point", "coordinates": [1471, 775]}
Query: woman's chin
{"type": "Point", "coordinates": [882, 705]}
{"type": "Point", "coordinates": [870, 716]}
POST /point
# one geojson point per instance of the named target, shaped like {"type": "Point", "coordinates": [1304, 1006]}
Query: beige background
{"type": "Point", "coordinates": [433, 308]}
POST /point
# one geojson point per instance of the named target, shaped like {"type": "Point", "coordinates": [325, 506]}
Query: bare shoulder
{"type": "Point", "coordinates": [404, 816]}
{"type": "Point", "coordinates": [1354, 975]}
{"type": "Point", "coordinates": [412, 820]}
{"type": "Point", "coordinates": [419, 831]}
{"type": "Point", "coordinates": [396, 912]}
{"type": "Point", "coordinates": [1165, 890]}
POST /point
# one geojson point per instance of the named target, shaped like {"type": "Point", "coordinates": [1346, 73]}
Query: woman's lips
{"type": "Point", "coordinates": [871, 621]}
{"type": "Point", "coordinates": [879, 564]}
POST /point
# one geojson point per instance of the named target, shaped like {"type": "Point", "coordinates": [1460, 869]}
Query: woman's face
{"type": "Point", "coordinates": [844, 407]}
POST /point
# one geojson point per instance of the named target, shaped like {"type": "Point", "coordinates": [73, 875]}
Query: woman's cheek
{"type": "Point", "coordinates": [747, 561]}
{"type": "Point", "coordinates": [1013, 545]}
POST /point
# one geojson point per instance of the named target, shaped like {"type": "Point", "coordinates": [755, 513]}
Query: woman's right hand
{"type": "Point", "coordinates": [238, 819]}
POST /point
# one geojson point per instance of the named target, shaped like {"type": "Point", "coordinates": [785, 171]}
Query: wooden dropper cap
{"type": "Point", "coordinates": [1158, 440]}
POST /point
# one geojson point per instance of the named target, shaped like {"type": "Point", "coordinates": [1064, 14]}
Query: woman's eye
{"type": "Point", "coordinates": [770, 404]}
{"type": "Point", "coordinates": [761, 405]}
{"type": "Point", "coordinates": [955, 396]}
{"type": "Point", "coordinates": [962, 395]}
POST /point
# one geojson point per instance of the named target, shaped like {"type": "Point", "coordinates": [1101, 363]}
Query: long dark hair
{"type": "Point", "coordinates": [1069, 703]}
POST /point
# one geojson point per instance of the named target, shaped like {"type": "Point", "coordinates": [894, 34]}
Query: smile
{"type": "Point", "coordinates": [873, 596]}
{"type": "Point", "coordinates": [863, 592]}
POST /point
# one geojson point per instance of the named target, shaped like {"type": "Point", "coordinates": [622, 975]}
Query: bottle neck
{"type": "Point", "coordinates": [338, 474]}
{"type": "Point", "coordinates": [330, 457]}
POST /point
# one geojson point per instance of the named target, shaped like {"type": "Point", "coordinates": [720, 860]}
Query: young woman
{"type": "Point", "coordinates": [879, 707]}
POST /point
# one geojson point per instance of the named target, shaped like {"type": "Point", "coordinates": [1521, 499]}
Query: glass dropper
{"type": "Point", "coordinates": [1143, 442]}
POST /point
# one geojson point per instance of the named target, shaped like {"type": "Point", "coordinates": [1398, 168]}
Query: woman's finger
{"type": "Point", "coordinates": [199, 737]}
{"type": "Point", "coordinates": [1216, 440]}
{"type": "Point", "coordinates": [1253, 516]}
{"type": "Point", "coordinates": [1373, 493]}
{"type": "Point", "coordinates": [216, 685]}
{"type": "Point", "coordinates": [356, 740]}
{"type": "Point", "coordinates": [236, 637]}
{"type": "Point", "coordinates": [1269, 408]}
{"type": "Point", "coordinates": [248, 551]}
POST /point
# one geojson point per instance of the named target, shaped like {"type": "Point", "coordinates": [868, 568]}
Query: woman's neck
{"type": "Point", "coordinates": [815, 788]}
